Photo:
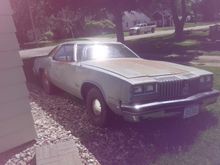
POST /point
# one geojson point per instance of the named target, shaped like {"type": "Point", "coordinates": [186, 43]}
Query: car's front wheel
{"type": "Point", "coordinates": [97, 109]}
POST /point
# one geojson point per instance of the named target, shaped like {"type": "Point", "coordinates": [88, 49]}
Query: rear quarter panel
{"type": "Point", "coordinates": [40, 63]}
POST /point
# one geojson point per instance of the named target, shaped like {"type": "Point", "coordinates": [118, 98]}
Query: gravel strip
{"type": "Point", "coordinates": [47, 111]}
{"type": "Point", "coordinates": [61, 117]}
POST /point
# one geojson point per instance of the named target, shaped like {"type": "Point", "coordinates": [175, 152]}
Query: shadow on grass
{"type": "Point", "coordinates": [122, 142]}
{"type": "Point", "coordinates": [193, 44]}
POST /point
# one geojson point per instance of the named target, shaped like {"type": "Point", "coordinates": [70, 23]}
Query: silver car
{"type": "Point", "coordinates": [142, 28]}
{"type": "Point", "coordinates": [113, 80]}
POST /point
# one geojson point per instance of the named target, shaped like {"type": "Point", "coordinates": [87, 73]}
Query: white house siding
{"type": "Point", "coordinates": [16, 122]}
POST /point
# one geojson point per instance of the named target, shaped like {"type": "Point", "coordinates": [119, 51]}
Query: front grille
{"type": "Point", "coordinates": [175, 88]}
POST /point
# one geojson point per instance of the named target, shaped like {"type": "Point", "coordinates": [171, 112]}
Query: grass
{"type": "Point", "coordinates": [187, 25]}
{"type": "Point", "coordinates": [38, 44]}
{"type": "Point", "coordinates": [55, 42]}
{"type": "Point", "coordinates": [205, 149]}
{"type": "Point", "coordinates": [194, 43]}
{"type": "Point", "coordinates": [109, 35]}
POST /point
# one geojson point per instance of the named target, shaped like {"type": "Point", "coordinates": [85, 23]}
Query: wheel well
{"type": "Point", "coordinates": [86, 87]}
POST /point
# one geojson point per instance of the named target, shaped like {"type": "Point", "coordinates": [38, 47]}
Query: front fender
{"type": "Point", "coordinates": [110, 86]}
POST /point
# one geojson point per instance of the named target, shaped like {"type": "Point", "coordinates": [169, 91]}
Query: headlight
{"type": "Point", "coordinates": [138, 89]}
{"type": "Point", "coordinates": [148, 88]}
{"type": "Point", "coordinates": [202, 79]}
{"type": "Point", "coordinates": [144, 88]}
{"type": "Point", "coordinates": [206, 82]}
{"type": "Point", "coordinates": [206, 79]}
{"type": "Point", "coordinates": [209, 78]}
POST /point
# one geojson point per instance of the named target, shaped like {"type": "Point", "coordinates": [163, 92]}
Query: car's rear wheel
{"type": "Point", "coordinates": [47, 86]}
{"type": "Point", "coordinates": [97, 109]}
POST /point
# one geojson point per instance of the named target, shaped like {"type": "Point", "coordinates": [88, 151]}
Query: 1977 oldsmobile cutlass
{"type": "Point", "coordinates": [112, 79]}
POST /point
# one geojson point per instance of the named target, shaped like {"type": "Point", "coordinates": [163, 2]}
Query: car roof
{"type": "Point", "coordinates": [90, 42]}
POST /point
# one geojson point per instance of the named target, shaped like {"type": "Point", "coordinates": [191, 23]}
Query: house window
{"type": "Point", "coordinates": [127, 24]}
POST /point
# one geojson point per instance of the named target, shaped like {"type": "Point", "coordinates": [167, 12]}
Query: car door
{"type": "Point", "coordinates": [70, 72]}
{"type": "Point", "coordinates": [59, 62]}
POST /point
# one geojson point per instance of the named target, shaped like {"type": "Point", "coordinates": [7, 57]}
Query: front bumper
{"type": "Point", "coordinates": [167, 108]}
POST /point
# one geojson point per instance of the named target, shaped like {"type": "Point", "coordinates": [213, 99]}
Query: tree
{"type": "Point", "coordinates": [117, 9]}
{"type": "Point", "coordinates": [179, 21]}
{"type": "Point", "coordinates": [46, 12]}
{"type": "Point", "coordinates": [64, 17]}
{"type": "Point", "coordinates": [21, 19]}
{"type": "Point", "coordinates": [209, 9]}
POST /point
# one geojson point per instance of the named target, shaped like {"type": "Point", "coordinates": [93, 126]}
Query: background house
{"type": "Point", "coordinates": [132, 18]}
{"type": "Point", "coordinates": [162, 18]}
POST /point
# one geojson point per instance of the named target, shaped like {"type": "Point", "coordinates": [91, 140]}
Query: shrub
{"type": "Point", "coordinates": [49, 35]}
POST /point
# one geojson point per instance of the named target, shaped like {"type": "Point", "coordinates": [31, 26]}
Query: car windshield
{"type": "Point", "coordinates": [86, 52]}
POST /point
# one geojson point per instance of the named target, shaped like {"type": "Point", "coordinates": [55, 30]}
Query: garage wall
{"type": "Point", "coordinates": [16, 122]}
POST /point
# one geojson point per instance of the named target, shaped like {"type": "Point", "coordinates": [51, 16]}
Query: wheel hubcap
{"type": "Point", "coordinates": [96, 106]}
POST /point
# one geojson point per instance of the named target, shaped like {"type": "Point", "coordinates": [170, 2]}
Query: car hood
{"type": "Point", "coordinates": [136, 67]}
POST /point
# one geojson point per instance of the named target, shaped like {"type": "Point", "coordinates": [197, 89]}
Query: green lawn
{"type": "Point", "coordinates": [194, 43]}
{"type": "Point", "coordinates": [187, 25]}
{"type": "Point", "coordinates": [205, 147]}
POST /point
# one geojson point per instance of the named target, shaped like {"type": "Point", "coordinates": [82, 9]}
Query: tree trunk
{"type": "Point", "coordinates": [179, 29]}
{"type": "Point", "coordinates": [119, 28]}
{"type": "Point", "coordinates": [179, 22]}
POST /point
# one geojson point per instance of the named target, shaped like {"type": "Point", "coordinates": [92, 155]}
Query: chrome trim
{"type": "Point", "coordinates": [197, 97]}
{"type": "Point", "coordinates": [176, 88]}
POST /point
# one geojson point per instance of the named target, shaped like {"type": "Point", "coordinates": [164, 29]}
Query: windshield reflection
{"type": "Point", "coordinates": [88, 52]}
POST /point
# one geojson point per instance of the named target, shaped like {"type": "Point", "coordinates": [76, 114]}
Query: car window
{"type": "Point", "coordinates": [65, 53]}
{"type": "Point", "coordinates": [86, 52]}
{"type": "Point", "coordinates": [69, 51]}
{"type": "Point", "coordinates": [53, 51]}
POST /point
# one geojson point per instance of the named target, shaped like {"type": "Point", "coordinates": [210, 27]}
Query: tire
{"type": "Point", "coordinates": [97, 109]}
{"type": "Point", "coordinates": [47, 86]}
{"type": "Point", "coordinates": [152, 30]}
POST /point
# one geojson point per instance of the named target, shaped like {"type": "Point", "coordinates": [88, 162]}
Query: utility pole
{"type": "Point", "coordinates": [32, 21]}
